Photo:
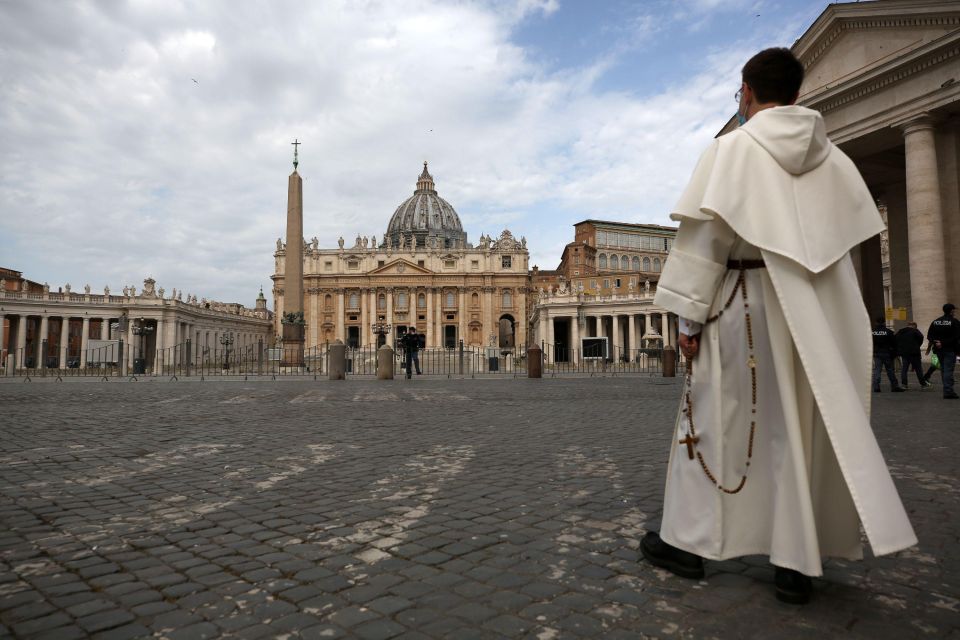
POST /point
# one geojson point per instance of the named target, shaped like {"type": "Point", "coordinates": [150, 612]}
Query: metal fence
{"type": "Point", "coordinates": [189, 360]}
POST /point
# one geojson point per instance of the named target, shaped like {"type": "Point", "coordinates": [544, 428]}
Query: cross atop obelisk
{"type": "Point", "coordinates": [296, 143]}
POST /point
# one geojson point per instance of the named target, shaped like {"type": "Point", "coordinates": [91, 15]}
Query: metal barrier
{"type": "Point", "coordinates": [560, 360]}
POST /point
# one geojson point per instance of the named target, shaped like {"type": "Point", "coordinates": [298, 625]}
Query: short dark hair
{"type": "Point", "coordinates": [775, 75]}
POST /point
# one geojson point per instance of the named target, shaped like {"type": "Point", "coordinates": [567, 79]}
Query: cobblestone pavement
{"type": "Point", "coordinates": [423, 509]}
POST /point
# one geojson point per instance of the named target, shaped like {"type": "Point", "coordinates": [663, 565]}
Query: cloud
{"type": "Point", "coordinates": [154, 139]}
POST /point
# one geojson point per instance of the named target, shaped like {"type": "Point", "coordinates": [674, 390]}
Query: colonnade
{"type": "Point", "coordinates": [624, 330]}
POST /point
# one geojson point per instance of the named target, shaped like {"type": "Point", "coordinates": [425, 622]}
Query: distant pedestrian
{"type": "Point", "coordinates": [909, 340]}
{"type": "Point", "coordinates": [944, 337]}
{"type": "Point", "coordinates": [411, 348]}
{"type": "Point", "coordinates": [884, 351]}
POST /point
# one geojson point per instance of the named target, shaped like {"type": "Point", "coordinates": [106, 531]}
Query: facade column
{"type": "Point", "coordinates": [574, 338]}
{"type": "Point", "coordinates": [340, 319]}
{"type": "Point", "coordinates": [41, 339]}
{"type": "Point", "coordinates": [374, 316]}
{"type": "Point", "coordinates": [4, 341]}
{"type": "Point", "coordinates": [541, 325]}
{"type": "Point", "coordinates": [488, 326]}
{"type": "Point", "coordinates": [462, 315]}
{"type": "Point", "coordinates": [390, 310]}
{"type": "Point", "coordinates": [315, 316]}
{"type": "Point", "coordinates": [632, 335]}
{"type": "Point", "coordinates": [159, 348]}
{"type": "Point", "coordinates": [84, 337]}
{"type": "Point", "coordinates": [431, 333]}
{"type": "Point", "coordinates": [131, 345]}
{"type": "Point", "coordinates": [364, 317]}
{"type": "Point", "coordinates": [64, 341]}
{"type": "Point", "coordinates": [928, 286]}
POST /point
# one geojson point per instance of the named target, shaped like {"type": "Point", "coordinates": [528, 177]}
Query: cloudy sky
{"type": "Point", "coordinates": [152, 137]}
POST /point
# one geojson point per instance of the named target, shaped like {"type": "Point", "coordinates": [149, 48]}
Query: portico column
{"type": "Point", "coordinates": [41, 340]}
{"type": "Point", "coordinates": [84, 336]}
{"type": "Point", "coordinates": [364, 318]}
{"type": "Point", "coordinates": [665, 328]}
{"type": "Point", "coordinates": [390, 308]}
{"type": "Point", "coordinates": [928, 288]}
{"type": "Point", "coordinates": [632, 335]}
{"type": "Point", "coordinates": [104, 328]}
{"type": "Point", "coordinates": [339, 321]}
{"type": "Point", "coordinates": [429, 314]}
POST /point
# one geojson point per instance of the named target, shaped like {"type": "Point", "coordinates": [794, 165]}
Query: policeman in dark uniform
{"type": "Point", "coordinates": [411, 347]}
{"type": "Point", "coordinates": [909, 341]}
{"type": "Point", "coordinates": [944, 337]}
{"type": "Point", "coordinates": [884, 350]}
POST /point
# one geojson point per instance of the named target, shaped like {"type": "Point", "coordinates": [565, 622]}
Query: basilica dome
{"type": "Point", "coordinates": [425, 216]}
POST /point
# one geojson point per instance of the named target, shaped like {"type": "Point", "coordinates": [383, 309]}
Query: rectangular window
{"type": "Point", "coordinates": [419, 263]}
{"type": "Point", "coordinates": [353, 264]}
{"type": "Point", "coordinates": [576, 273]}
{"type": "Point", "coordinates": [617, 283]}
{"type": "Point", "coordinates": [601, 238]}
{"type": "Point", "coordinates": [328, 266]}
{"type": "Point", "coordinates": [449, 264]}
{"type": "Point", "coordinates": [475, 265]}
{"type": "Point", "coordinates": [606, 284]}
{"type": "Point", "coordinates": [593, 284]}
{"type": "Point", "coordinates": [506, 261]}
{"type": "Point", "coordinates": [380, 263]}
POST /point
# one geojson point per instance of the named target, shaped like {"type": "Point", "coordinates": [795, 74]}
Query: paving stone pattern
{"type": "Point", "coordinates": [424, 509]}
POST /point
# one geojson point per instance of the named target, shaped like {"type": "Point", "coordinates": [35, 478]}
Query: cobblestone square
{"type": "Point", "coordinates": [425, 509]}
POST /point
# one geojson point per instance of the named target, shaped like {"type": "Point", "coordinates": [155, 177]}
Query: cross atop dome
{"type": "Point", "coordinates": [425, 182]}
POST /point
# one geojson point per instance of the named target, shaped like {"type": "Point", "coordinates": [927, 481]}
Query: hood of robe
{"type": "Point", "coordinates": [796, 137]}
{"type": "Point", "coordinates": [783, 187]}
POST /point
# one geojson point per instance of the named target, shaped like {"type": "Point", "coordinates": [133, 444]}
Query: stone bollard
{"type": "Point", "coordinates": [385, 362]}
{"type": "Point", "coordinates": [669, 361]}
{"type": "Point", "coordinates": [10, 365]}
{"type": "Point", "coordinates": [338, 361]}
{"type": "Point", "coordinates": [534, 362]}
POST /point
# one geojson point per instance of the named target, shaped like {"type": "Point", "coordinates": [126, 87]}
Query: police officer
{"type": "Point", "coordinates": [944, 337]}
{"type": "Point", "coordinates": [411, 347]}
{"type": "Point", "coordinates": [884, 350]}
{"type": "Point", "coordinates": [909, 341]}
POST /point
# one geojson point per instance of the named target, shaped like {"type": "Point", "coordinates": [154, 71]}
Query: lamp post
{"type": "Point", "coordinates": [226, 340]}
{"type": "Point", "coordinates": [380, 329]}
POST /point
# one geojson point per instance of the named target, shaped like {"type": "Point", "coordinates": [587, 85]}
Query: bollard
{"type": "Point", "coordinates": [534, 362]}
{"type": "Point", "coordinates": [338, 361]}
{"type": "Point", "coordinates": [669, 361]}
{"type": "Point", "coordinates": [10, 364]}
{"type": "Point", "coordinates": [385, 363]}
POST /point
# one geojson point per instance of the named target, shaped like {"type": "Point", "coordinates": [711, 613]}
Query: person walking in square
{"type": "Point", "coordinates": [773, 451]}
{"type": "Point", "coordinates": [909, 340]}
{"type": "Point", "coordinates": [884, 351]}
{"type": "Point", "coordinates": [944, 337]}
{"type": "Point", "coordinates": [411, 347]}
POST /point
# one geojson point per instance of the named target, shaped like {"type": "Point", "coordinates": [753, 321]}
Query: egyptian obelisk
{"type": "Point", "coordinates": [293, 264]}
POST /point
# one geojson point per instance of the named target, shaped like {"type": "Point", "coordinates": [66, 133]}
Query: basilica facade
{"type": "Point", "coordinates": [424, 273]}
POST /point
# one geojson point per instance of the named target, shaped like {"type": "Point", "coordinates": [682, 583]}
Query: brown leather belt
{"type": "Point", "coordinates": [740, 265]}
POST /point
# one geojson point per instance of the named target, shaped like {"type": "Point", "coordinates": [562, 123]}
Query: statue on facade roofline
{"type": "Point", "coordinates": [106, 290]}
{"type": "Point", "coordinates": [86, 289]}
{"type": "Point", "coordinates": [373, 242]}
{"type": "Point", "coordinates": [340, 242]}
{"type": "Point", "coordinates": [279, 244]}
{"type": "Point", "coordinates": [66, 288]}
{"type": "Point", "coordinates": [523, 242]}
{"type": "Point", "coordinates": [160, 292]}
{"type": "Point", "coordinates": [46, 288]}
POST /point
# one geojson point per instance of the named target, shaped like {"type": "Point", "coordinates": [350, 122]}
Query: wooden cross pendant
{"type": "Point", "coordinates": [690, 441]}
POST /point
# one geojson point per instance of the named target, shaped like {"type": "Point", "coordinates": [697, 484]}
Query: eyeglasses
{"type": "Point", "coordinates": [737, 95]}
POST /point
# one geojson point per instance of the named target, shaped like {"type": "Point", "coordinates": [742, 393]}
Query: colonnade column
{"type": "Point", "coordinates": [550, 344]}
{"type": "Point", "coordinates": [159, 348]}
{"type": "Point", "coordinates": [665, 328]}
{"type": "Point", "coordinates": [574, 338]}
{"type": "Point", "coordinates": [21, 340]}
{"type": "Point", "coordinates": [64, 339]}
{"type": "Point", "coordinates": [617, 340]}
{"type": "Point", "coordinates": [41, 341]}
{"type": "Point", "coordinates": [632, 335]}
{"type": "Point", "coordinates": [84, 337]}
{"type": "Point", "coordinates": [364, 316]}
{"type": "Point", "coordinates": [928, 288]}
{"type": "Point", "coordinates": [104, 328]}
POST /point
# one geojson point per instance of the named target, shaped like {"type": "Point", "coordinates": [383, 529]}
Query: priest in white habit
{"type": "Point", "coordinates": [773, 452]}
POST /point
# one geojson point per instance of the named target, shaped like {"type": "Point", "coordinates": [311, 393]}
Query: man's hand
{"type": "Point", "coordinates": [689, 345]}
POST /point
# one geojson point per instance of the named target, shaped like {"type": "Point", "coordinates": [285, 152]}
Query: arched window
{"type": "Point", "coordinates": [603, 261]}
{"type": "Point", "coordinates": [636, 263]}
{"type": "Point", "coordinates": [402, 300]}
{"type": "Point", "coordinates": [382, 302]}
{"type": "Point", "coordinates": [625, 263]}
{"type": "Point", "coordinates": [656, 264]}
{"type": "Point", "coordinates": [646, 264]}
{"type": "Point", "coordinates": [475, 300]}
{"type": "Point", "coordinates": [507, 300]}
{"type": "Point", "coordinates": [421, 301]}
{"type": "Point", "coordinates": [354, 301]}
{"type": "Point", "coordinates": [450, 300]}
{"type": "Point", "coordinates": [614, 261]}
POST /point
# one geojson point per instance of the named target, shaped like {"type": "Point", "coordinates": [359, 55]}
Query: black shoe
{"type": "Point", "coordinates": [676, 561]}
{"type": "Point", "coordinates": [898, 390]}
{"type": "Point", "coordinates": [924, 384]}
{"type": "Point", "coordinates": [952, 396]}
{"type": "Point", "coordinates": [792, 586]}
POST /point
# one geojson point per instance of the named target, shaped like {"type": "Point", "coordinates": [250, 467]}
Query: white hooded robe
{"type": "Point", "coordinates": [777, 189]}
